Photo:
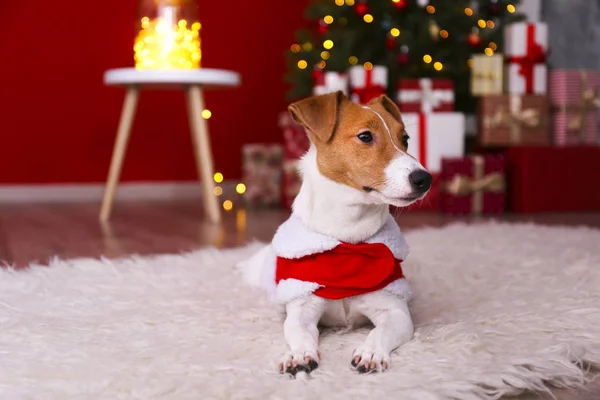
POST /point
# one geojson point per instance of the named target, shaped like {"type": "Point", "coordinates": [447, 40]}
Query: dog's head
{"type": "Point", "coordinates": [364, 147]}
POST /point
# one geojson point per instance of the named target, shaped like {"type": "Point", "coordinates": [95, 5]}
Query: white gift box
{"type": "Point", "coordinates": [329, 82]}
{"type": "Point", "coordinates": [434, 136]}
{"type": "Point", "coordinates": [366, 84]}
{"type": "Point", "coordinates": [526, 46]}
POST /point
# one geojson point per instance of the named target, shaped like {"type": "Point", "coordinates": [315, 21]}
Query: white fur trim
{"type": "Point", "coordinates": [289, 289]}
{"type": "Point", "coordinates": [293, 239]}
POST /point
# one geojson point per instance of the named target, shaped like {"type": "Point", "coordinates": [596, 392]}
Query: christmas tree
{"type": "Point", "coordinates": [412, 38]}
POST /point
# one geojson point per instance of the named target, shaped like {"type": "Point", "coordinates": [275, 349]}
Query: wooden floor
{"type": "Point", "coordinates": [37, 232]}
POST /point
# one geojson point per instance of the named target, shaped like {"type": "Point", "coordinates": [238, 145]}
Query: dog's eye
{"type": "Point", "coordinates": [365, 137]}
{"type": "Point", "coordinates": [405, 140]}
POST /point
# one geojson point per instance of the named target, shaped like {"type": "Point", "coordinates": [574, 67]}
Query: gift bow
{"type": "Point", "coordinates": [589, 102]}
{"type": "Point", "coordinates": [516, 118]}
{"type": "Point", "coordinates": [534, 54]}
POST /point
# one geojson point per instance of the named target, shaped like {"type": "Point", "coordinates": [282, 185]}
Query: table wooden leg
{"type": "Point", "coordinates": [202, 151]}
{"type": "Point", "coordinates": [123, 133]}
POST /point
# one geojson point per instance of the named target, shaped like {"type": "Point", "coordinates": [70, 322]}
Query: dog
{"type": "Point", "coordinates": [336, 262]}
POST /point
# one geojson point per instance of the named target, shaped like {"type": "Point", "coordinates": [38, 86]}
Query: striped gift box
{"type": "Point", "coordinates": [573, 95]}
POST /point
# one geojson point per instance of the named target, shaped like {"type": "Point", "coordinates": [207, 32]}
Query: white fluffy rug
{"type": "Point", "coordinates": [499, 308]}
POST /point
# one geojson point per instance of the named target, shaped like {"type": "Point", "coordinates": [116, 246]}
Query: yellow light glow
{"type": "Point", "coordinates": [302, 64]}
{"type": "Point", "coordinates": [164, 45]}
{"type": "Point", "coordinates": [328, 44]}
{"type": "Point", "coordinates": [438, 66]}
{"type": "Point", "coordinates": [328, 19]}
{"type": "Point", "coordinates": [206, 114]}
{"type": "Point", "coordinates": [470, 62]}
{"type": "Point", "coordinates": [488, 51]}
{"type": "Point", "coordinates": [240, 220]}
{"type": "Point", "coordinates": [240, 188]}
{"type": "Point", "coordinates": [322, 64]}
{"type": "Point", "coordinates": [218, 191]}
{"type": "Point", "coordinates": [444, 33]}
{"type": "Point", "coordinates": [510, 8]}
{"type": "Point", "coordinates": [427, 58]}
{"type": "Point", "coordinates": [295, 48]}
{"type": "Point", "coordinates": [339, 2]}
{"type": "Point", "coordinates": [368, 66]}
{"type": "Point", "coordinates": [468, 11]}
{"type": "Point", "coordinates": [490, 24]}
{"type": "Point", "coordinates": [481, 23]}
{"type": "Point", "coordinates": [395, 32]}
{"type": "Point", "coordinates": [368, 18]}
{"type": "Point", "coordinates": [350, 2]}
{"type": "Point", "coordinates": [218, 177]}
{"type": "Point", "coordinates": [493, 46]}
{"type": "Point", "coordinates": [325, 55]}
{"type": "Point", "coordinates": [227, 205]}
{"type": "Point", "coordinates": [307, 46]}
{"type": "Point", "coordinates": [430, 9]}
{"type": "Point", "coordinates": [353, 60]}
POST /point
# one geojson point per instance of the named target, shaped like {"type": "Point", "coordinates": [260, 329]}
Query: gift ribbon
{"type": "Point", "coordinates": [462, 185]}
{"type": "Point", "coordinates": [423, 139]}
{"type": "Point", "coordinates": [328, 82]}
{"type": "Point", "coordinates": [534, 54]}
{"type": "Point", "coordinates": [371, 90]}
{"type": "Point", "coordinates": [429, 97]}
{"type": "Point", "coordinates": [588, 102]}
{"type": "Point", "coordinates": [515, 118]}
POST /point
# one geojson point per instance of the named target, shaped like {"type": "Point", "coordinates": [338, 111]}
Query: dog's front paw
{"type": "Point", "coordinates": [302, 361]}
{"type": "Point", "coordinates": [366, 360]}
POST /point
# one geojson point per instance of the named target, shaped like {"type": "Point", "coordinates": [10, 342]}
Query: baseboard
{"type": "Point", "coordinates": [127, 191]}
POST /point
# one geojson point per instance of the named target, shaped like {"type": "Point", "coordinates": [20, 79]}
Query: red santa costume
{"type": "Point", "coordinates": [300, 261]}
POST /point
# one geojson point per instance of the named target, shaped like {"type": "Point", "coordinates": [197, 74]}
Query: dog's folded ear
{"type": "Point", "coordinates": [388, 105]}
{"type": "Point", "coordinates": [318, 114]}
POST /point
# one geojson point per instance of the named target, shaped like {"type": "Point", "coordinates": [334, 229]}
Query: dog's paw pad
{"type": "Point", "coordinates": [293, 363]}
{"type": "Point", "coordinates": [367, 361]}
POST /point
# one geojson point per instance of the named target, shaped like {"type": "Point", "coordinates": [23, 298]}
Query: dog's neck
{"type": "Point", "coordinates": [333, 209]}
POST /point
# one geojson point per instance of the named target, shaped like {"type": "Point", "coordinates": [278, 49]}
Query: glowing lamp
{"type": "Point", "coordinates": [168, 35]}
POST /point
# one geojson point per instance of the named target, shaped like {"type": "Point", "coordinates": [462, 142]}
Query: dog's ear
{"type": "Point", "coordinates": [318, 114]}
{"type": "Point", "coordinates": [388, 105]}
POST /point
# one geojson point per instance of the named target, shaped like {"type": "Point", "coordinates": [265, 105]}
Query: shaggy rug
{"type": "Point", "coordinates": [499, 309]}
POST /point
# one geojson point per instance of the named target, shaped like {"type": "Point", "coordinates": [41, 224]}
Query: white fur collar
{"type": "Point", "coordinates": [294, 239]}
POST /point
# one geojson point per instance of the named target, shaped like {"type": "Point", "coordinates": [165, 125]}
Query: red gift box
{"type": "Point", "coordinates": [473, 185]}
{"type": "Point", "coordinates": [367, 84]}
{"type": "Point", "coordinates": [425, 95]}
{"type": "Point", "coordinates": [295, 140]}
{"type": "Point", "coordinates": [543, 179]}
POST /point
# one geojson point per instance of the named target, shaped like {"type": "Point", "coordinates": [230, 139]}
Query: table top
{"type": "Point", "coordinates": [205, 77]}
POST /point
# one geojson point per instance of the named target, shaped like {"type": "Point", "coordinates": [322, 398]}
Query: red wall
{"type": "Point", "coordinates": [58, 121]}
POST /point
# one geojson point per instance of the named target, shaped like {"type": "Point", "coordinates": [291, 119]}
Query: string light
{"type": "Point", "coordinates": [328, 44]}
{"type": "Point", "coordinates": [218, 177]}
{"type": "Point", "coordinates": [444, 33]}
{"type": "Point", "coordinates": [395, 32]}
{"type": "Point", "coordinates": [227, 205]}
{"type": "Point", "coordinates": [163, 45]}
{"type": "Point", "coordinates": [328, 19]}
{"type": "Point", "coordinates": [325, 55]}
{"type": "Point", "coordinates": [206, 114]}
{"type": "Point", "coordinates": [368, 18]}
{"type": "Point", "coordinates": [493, 46]}
{"type": "Point", "coordinates": [339, 2]}
{"type": "Point", "coordinates": [510, 8]}
{"type": "Point", "coordinates": [488, 51]}
{"type": "Point", "coordinates": [295, 48]}
{"type": "Point", "coordinates": [430, 9]}
{"type": "Point", "coordinates": [353, 60]}
{"type": "Point", "coordinates": [307, 46]}
{"type": "Point", "coordinates": [490, 24]}
{"type": "Point", "coordinates": [427, 58]}
{"type": "Point", "coordinates": [240, 188]}
{"type": "Point", "coordinates": [438, 66]}
{"type": "Point", "coordinates": [470, 62]}
{"type": "Point", "coordinates": [322, 64]}
{"type": "Point", "coordinates": [368, 66]}
{"type": "Point", "coordinates": [481, 23]}
{"type": "Point", "coordinates": [468, 11]}
{"type": "Point", "coordinates": [350, 2]}
{"type": "Point", "coordinates": [302, 64]}
{"type": "Point", "coordinates": [218, 191]}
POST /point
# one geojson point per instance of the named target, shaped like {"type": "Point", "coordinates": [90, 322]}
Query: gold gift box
{"type": "Point", "coordinates": [487, 74]}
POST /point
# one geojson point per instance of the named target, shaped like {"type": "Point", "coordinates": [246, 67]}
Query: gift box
{"type": "Point", "coordinates": [292, 181]}
{"type": "Point", "coordinates": [574, 101]}
{"type": "Point", "coordinates": [548, 179]}
{"type": "Point", "coordinates": [328, 82]}
{"type": "Point", "coordinates": [367, 84]}
{"type": "Point", "coordinates": [295, 140]}
{"type": "Point", "coordinates": [434, 136]}
{"type": "Point", "coordinates": [487, 74]}
{"type": "Point", "coordinates": [526, 48]}
{"type": "Point", "coordinates": [425, 95]}
{"type": "Point", "coordinates": [473, 185]}
{"type": "Point", "coordinates": [513, 119]}
{"type": "Point", "coordinates": [261, 172]}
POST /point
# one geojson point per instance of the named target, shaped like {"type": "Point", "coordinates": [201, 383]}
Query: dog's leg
{"type": "Point", "coordinates": [393, 327]}
{"type": "Point", "coordinates": [302, 335]}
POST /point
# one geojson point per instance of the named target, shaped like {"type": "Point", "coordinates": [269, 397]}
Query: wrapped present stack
{"type": "Point", "coordinates": [261, 170]}
{"type": "Point", "coordinates": [295, 144]}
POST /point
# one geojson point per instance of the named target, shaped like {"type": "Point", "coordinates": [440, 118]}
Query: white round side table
{"type": "Point", "coordinates": [193, 82]}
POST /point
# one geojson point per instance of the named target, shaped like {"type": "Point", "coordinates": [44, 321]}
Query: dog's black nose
{"type": "Point", "coordinates": [420, 180]}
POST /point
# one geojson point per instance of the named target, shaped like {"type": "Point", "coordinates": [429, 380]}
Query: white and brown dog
{"type": "Point", "coordinates": [336, 261]}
